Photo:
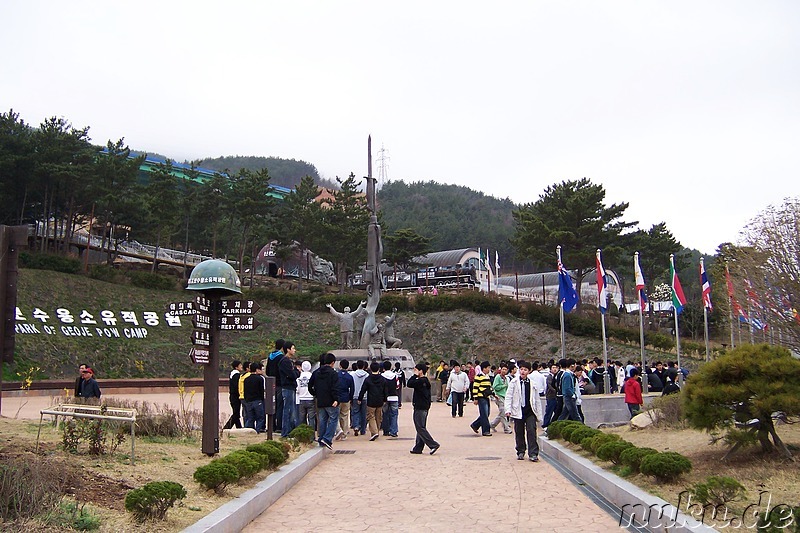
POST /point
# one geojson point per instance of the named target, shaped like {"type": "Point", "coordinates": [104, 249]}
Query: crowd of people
{"type": "Point", "coordinates": [338, 400]}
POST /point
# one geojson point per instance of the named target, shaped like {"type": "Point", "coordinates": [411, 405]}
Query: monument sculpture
{"type": "Point", "coordinates": [372, 272]}
{"type": "Point", "coordinates": [388, 333]}
{"type": "Point", "coordinates": [347, 323]}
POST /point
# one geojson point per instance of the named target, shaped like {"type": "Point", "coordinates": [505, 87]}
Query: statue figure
{"type": "Point", "coordinates": [377, 340]}
{"type": "Point", "coordinates": [372, 272]}
{"type": "Point", "coordinates": [346, 327]}
{"type": "Point", "coordinates": [391, 340]}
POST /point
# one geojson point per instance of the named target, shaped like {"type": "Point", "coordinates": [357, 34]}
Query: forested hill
{"type": "Point", "coordinates": [452, 216]}
{"type": "Point", "coordinates": [282, 172]}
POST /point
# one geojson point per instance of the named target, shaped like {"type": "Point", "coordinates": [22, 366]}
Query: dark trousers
{"type": "Point", "coordinates": [423, 436]}
{"type": "Point", "coordinates": [549, 411]}
{"type": "Point", "coordinates": [234, 420]}
{"type": "Point", "coordinates": [278, 418]}
{"type": "Point", "coordinates": [458, 403]}
{"type": "Point", "coordinates": [559, 408]}
{"type": "Point", "coordinates": [570, 411]}
{"type": "Point", "coordinates": [525, 435]}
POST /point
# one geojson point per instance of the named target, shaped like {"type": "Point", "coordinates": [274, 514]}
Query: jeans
{"type": "Point", "coordinates": [390, 418]}
{"type": "Point", "coordinates": [483, 417]}
{"type": "Point", "coordinates": [458, 403]}
{"type": "Point", "coordinates": [570, 411]}
{"type": "Point", "coordinates": [525, 433]}
{"type": "Point", "coordinates": [501, 416]}
{"type": "Point", "coordinates": [549, 411]}
{"type": "Point", "coordinates": [307, 413]}
{"type": "Point", "coordinates": [328, 420]}
{"type": "Point", "coordinates": [289, 417]}
{"type": "Point", "coordinates": [255, 415]}
{"type": "Point", "coordinates": [358, 416]}
{"type": "Point", "coordinates": [423, 437]}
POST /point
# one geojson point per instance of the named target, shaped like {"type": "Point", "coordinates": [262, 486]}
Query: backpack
{"type": "Point", "coordinates": [557, 382]}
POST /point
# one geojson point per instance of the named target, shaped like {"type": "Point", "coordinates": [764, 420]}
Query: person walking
{"type": "Point", "coordinates": [346, 392]}
{"type": "Point", "coordinates": [481, 396]}
{"type": "Point", "coordinates": [500, 385]}
{"type": "Point", "coordinates": [233, 396]}
{"type": "Point", "coordinates": [523, 405]}
{"type": "Point", "coordinates": [324, 385]}
{"type": "Point", "coordinates": [422, 404]}
{"type": "Point", "coordinates": [89, 386]}
{"type": "Point", "coordinates": [376, 390]}
{"type": "Point", "coordinates": [458, 384]}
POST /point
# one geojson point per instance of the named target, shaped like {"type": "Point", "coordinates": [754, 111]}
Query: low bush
{"type": "Point", "coordinates": [665, 466]}
{"type": "Point", "coordinates": [670, 411]}
{"type": "Point", "coordinates": [303, 433]}
{"type": "Point", "coordinates": [718, 490]}
{"type": "Point", "coordinates": [153, 500]}
{"type": "Point", "coordinates": [282, 446]}
{"type": "Point", "coordinates": [273, 456]}
{"type": "Point", "coordinates": [554, 430]}
{"type": "Point", "coordinates": [566, 431]}
{"type": "Point", "coordinates": [59, 263]}
{"type": "Point", "coordinates": [610, 451]}
{"type": "Point", "coordinates": [581, 433]}
{"type": "Point", "coordinates": [632, 457]}
{"type": "Point", "coordinates": [151, 280]}
{"type": "Point", "coordinates": [216, 475]}
{"type": "Point", "coordinates": [602, 438]}
{"type": "Point", "coordinates": [246, 463]}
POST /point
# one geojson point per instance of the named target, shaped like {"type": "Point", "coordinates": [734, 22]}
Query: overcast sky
{"type": "Point", "coordinates": [689, 111]}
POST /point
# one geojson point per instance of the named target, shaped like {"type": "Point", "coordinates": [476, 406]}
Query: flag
{"type": "Point", "coordinates": [566, 292]}
{"type": "Point", "coordinates": [482, 254]}
{"type": "Point", "coordinates": [496, 264]}
{"type": "Point", "coordinates": [602, 289]}
{"type": "Point", "coordinates": [640, 287]}
{"type": "Point", "coordinates": [706, 286]}
{"type": "Point", "coordinates": [678, 299]}
{"type": "Point", "coordinates": [735, 307]}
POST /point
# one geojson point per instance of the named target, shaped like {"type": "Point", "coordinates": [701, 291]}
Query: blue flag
{"type": "Point", "coordinates": [566, 292]}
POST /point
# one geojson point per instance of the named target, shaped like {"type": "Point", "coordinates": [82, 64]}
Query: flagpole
{"type": "Point", "coordinates": [645, 387]}
{"type": "Point", "coordinates": [606, 377]}
{"type": "Point", "coordinates": [705, 310]}
{"type": "Point", "coordinates": [560, 312]}
{"type": "Point", "coordinates": [677, 331]}
{"type": "Point", "coordinates": [730, 302]}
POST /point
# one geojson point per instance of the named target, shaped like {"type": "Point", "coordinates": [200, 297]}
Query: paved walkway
{"type": "Point", "coordinates": [472, 483]}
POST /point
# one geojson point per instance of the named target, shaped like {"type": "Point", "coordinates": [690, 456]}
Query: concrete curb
{"type": "Point", "coordinates": [237, 513]}
{"type": "Point", "coordinates": [650, 512]}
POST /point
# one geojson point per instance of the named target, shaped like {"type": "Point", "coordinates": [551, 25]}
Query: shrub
{"type": "Point", "coordinates": [68, 265]}
{"type": "Point", "coordinates": [601, 439]}
{"type": "Point", "coordinates": [670, 411]}
{"type": "Point", "coordinates": [632, 457]}
{"type": "Point", "coordinates": [610, 451]}
{"type": "Point", "coordinates": [586, 443]}
{"type": "Point", "coordinates": [151, 280]}
{"type": "Point", "coordinates": [665, 466]}
{"type": "Point", "coordinates": [30, 486]}
{"type": "Point", "coordinates": [577, 435]}
{"type": "Point", "coordinates": [718, 490]}
{"type": "Point", "coordinates": [271, 454]}
{"type": "Point", "coordinates": [303, 433]}
{"type": "Point", "coordinates": [154, 499]}
{"type": "Point", "coordinates": [246, 463]}
{"type": "Point", "coordinates": [554, 430]}
{"type": "Point", "coordinates": [282, 446]}
{"type": "Point", "coordinates": [566, 431]}
{"type": "Point", "coordinates": [216, 475]}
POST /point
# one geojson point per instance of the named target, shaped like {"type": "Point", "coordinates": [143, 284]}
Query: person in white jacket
{"type": "Point", "coordinates": [525, 408]}
{"type": "Point", "coordinates": [458, 384]}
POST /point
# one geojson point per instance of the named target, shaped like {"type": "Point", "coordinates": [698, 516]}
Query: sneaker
{"type": "Point", "coordinates": [508, 432]}
{"type": "Point", "coordinates": [486, 434]}
{"type": "Point", "coordinates": [474, 429]}
{"type": "Point", "coordinates": [393, 435]}
{"type": "Point", "coordinates": [338, 435]}
{"type": "Point", "coordinates": [494, 429]}
{"type": "Point", "coordinates": [415, 452]}
{"type": "Point", "coordinates": [326, 444]}
{"type": "Point", "coordinates": [433, 450]}
{"type": "Point", "coordinates": [355, 432]}
{"type": "Point", "coordinates": [520, 457]}
{"type": "Point", "coordinates": [343, 436]}
{"type": "Point", "coordinates": [534, 459]}
{"type": "Point", "coordinates": [375, 436]}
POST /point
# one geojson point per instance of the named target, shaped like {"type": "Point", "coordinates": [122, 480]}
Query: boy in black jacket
{"type": "Point", "coordinates": [376, 388]}
{"type": "Point", "coordinates": [422, 404]}
{"type": "Point", "coordinates": [324, 385]}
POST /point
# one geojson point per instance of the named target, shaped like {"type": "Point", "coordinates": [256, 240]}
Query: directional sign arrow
{"type": "Point", "coordinates": [238, 323]}
{"type": "Point", "coordinates": [200, 356]}
{"type": "Point", "coordinates": [201, 321]}
{"type": "Point", "coordinates": [238, 307]}
{"type": "Point", "coordinates": [201, 338]}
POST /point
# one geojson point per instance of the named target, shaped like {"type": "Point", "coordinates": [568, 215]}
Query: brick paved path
{"type": "Point", "coordinates": [472, 483]}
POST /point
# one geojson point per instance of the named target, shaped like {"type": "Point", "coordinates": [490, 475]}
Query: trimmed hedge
{"type": "Point", "coordinates": [555, 429]}
{"type": "Point", "coordinates": [665, 466]}
{"type": "Point", "coordinates": [274, 456]}
{"type": "Point", "coordinates": [611, 451]}
{"type": "Point", "coordinates": [303, 433]}
{"type": "Point", "coordinates": [216, 475]}
{"type": "Point", "coordinates": [153, 499]}
{"type": "Point", "coordinates": [581, 433]}
{"type": "Point", "coordinates": [632, 457]}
